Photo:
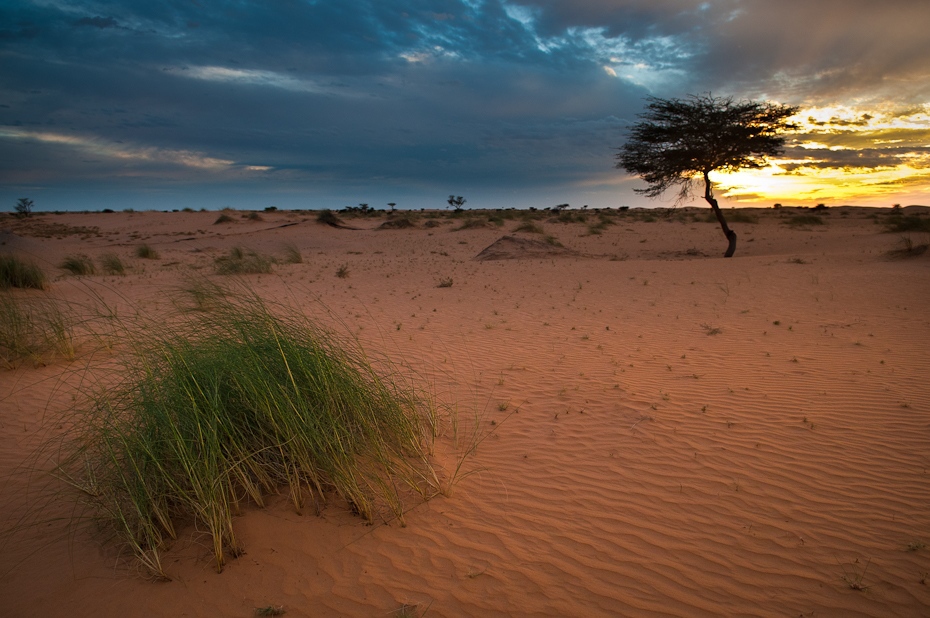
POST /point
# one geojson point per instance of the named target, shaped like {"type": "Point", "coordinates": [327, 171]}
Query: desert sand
{"type": "Point", "coordinates": [664, 432]}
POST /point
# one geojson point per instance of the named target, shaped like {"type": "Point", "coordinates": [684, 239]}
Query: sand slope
{"type": "Point", "coordinates": [666, 433]}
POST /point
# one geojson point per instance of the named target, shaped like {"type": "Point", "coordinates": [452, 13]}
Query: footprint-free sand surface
{"type": "Point", "coordinates": [663, 432]}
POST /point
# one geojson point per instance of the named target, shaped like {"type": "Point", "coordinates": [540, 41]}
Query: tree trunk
{"type": "Point", "coordinates": [730, 234]}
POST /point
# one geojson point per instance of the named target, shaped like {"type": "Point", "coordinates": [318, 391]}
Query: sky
{"type": "Point", "coordinates": [509, 103]}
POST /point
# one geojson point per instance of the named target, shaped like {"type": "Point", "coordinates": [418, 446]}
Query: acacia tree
{"type": "Point", "coordinates": [680, 141]}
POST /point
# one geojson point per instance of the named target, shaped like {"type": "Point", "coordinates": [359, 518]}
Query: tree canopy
{"type": "Point", "coordinates": [679, 141]}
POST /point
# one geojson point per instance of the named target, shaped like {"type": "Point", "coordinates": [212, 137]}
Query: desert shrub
{"type": "Point", "coordinates": [471, 224]}
{"type": "Point", "coordinates": [146, 252]}
{"type": "Point", "coordinates": [804, 220]}
{"type": "Point", "coordinates": [112, 264]}
{"type": "Point", "coordinates": [343, 271]}
{"type": "Point", "coordinates": [79, 265]}
{"type": "Point", "coordinates": [232, 405]}
{"type": "Point", "coordinates": [292, 255]}
{"type": "Point", "coordinates": [908, 223]}
{"type": "Point", "coordinates": [739, 216]}
{"type": "Point", "coordinates": [445, 283]}
{"type": "Point", "coordinates": [328, 217]}
{"type": "Point", "coordinates": [18, 273]}
{"type": "Point", "coordinates": [243, 262]}
{"type": "Point", "coordinates": [529, 227]}
{"type": "Point", "coordinates": [398, 223]}
{"type": "Point", "coordinates": [253, 216]}
{"type": "Point", "coordinates": [33, 329]}
{"type": "Point", "coordinates": [223, 218]}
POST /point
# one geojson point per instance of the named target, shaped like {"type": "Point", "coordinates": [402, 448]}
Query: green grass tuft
{"type": "Point", "coordinates": [243, 262]}
{"type": "Point", "coordinates": [146, 252]}
{"type": "Point", "coordinates": [112, 264]}
{"type": "Point", "coordinates": [17, 273]}
{"type": "Point", "coordinates": [529, 227]}
{"type": "Point", "coordinates": [34, 330]}
{"type": "Point", "coordinates": [235, 404]}
{"type": "Point", "coordinates": [804, 221]}
{"type": "Point", "coordinates": [79, 265]}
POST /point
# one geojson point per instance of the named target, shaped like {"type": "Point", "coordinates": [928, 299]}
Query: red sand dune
{"type": "Point", "coordinates": [667, 433]}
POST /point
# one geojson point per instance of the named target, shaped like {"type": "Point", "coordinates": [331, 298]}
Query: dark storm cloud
{"type": "Point", "coordinates": [340, 97]}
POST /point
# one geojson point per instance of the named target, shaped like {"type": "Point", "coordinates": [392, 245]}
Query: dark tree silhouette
{"type": "Point", "coordinates": [23, 207]}
{"type": "Point", "coordinates": [456, 202]}
{"type": "Point", "coordinates": [679, 141]}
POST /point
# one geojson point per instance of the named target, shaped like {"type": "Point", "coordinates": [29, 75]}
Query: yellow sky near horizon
{"type": "Point", "coordinates": [843, 155]}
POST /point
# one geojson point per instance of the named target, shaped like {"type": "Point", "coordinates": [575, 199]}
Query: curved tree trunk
{"type": "Point", "coordinates": [730, 234]}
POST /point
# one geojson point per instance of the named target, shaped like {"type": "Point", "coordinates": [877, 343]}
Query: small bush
{"type": "Point", "coordinates": [112, 264]}
{"type": "Point", "coordinates": [908, 223]}
{"type": "Point", "coordinates": [292, 255]}
{"type": "Point", "coordinates": [79, 265]}
{"type": "Point", "coordinates": [739, 216]}
{"type": "Point", "coordinates": [471, 224]}
{"type": "Point", "coordinates": [328, 217]}
{"type": "Point", "coordinates": [233, 405]}
{"type": "Point", "coordinates": [804, 220]}
{"type": "Point", "coordinates": [529, 227]}
{"type": "Point", "coordinates": [253, 216]}
{"type": "Point", "coordinates": [34, 330]}
{"type": "Point", "coordinates": [146, 252]}
{"type": "Point", "coordinates": [223, 218]}
{"type": "Point", "coordinates": [343, 271]}
{"type": "Point", "coordinates": [17, 273]}
{"type": "Point", "coordinates": [243, 262]}
{"type": "Point", "coordinates": [445, 283]}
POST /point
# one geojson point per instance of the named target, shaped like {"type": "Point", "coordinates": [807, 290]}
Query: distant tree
{"type": "Point", "coordinates": [680, 141]}
{"type": "Point", "coordinates": [23, 207]}
{"type": "Point", "coordinates": [561, 207]}
{"type": "Point", "coordinates": [392, 205]}
{"type": "Point", "coordinates": [456, 202]}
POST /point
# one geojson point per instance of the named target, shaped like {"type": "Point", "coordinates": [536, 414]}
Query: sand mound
{"type": "Point", "coordinates": [513, 248]}
{"type": "Point", "coordinates": [397, 224]}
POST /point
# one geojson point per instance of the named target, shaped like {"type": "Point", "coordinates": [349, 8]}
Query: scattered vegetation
{"type": "Point", "coordinates": [79, 265]}
{"type": "Point", "coordinates": [908, 223]}
{"type": "Point", "coordinates": [529, 227]}
{"type": "Point", "coordinates": [445, 283]}
{"type": "Point", "coordinates": [243, 262]}
{"type": "Point", "coordinates": [328, 217]}
{"type": "Point", "coordinates": [223, 218]}
{"type": "Point", "coordinates": [18, 273]}
{"type": "Point", "coordinates": [236, 403]}
{"type": "Point", "coordinates": [146, 252]}
{"type": "Point", "coordinates": [112, 264]}
{"type": "Point", "coordinates": [292, 255]}
{"type": "Point", "coordinates": [804, 220]}
{"type": "Point", "coordinates": [270, 610]}
{"type": "Point", "coordinates": [908, 249]}
{"type": "Point", "coordinates": [33, 329]}
{"type": "Point", "coordinates": [343, 271]}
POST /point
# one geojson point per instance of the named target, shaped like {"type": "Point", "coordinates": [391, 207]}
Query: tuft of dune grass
{"type": "Point", "coordinates": [19, 273]}
{"type": "Point", "coordinates": [33, 329]}
{"type": "Point", "coordinates": [146, 252]}
{"type": "Point", "coordinates": [79, 265]}
{"type": "Point", "coordinates": [241, 261]}
{"type": "Point", "coordinates": [233, 404]}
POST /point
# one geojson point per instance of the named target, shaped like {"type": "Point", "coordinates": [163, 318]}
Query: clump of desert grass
{"type": "Point", "coordinates": [80, 265]}
{"type": "Point", "coordinates": [18, 273]}
{"type": "Point", "coordinates": [112, 264]}
{"type": "Point", "coordinates": [35, 330]}
{"type": "Point", "coordinates": [146, 252]}
{"type": "Point", "coordinates": [529, 227]}
{"type": "Point", "coordinates": [292, 255]}
{"type": "Point", "coordinates": [233, 404]}
{"type": "Point", "coordinates": [804, 221]}
{"type": "Point", "coordinates": [908, 223]}
{"type": "Point", "coordinates": [328, 217]}
{"type": "Point", "coordinates": [223, 218]}
{"type": "Point", "coordinates": [241, 261]}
